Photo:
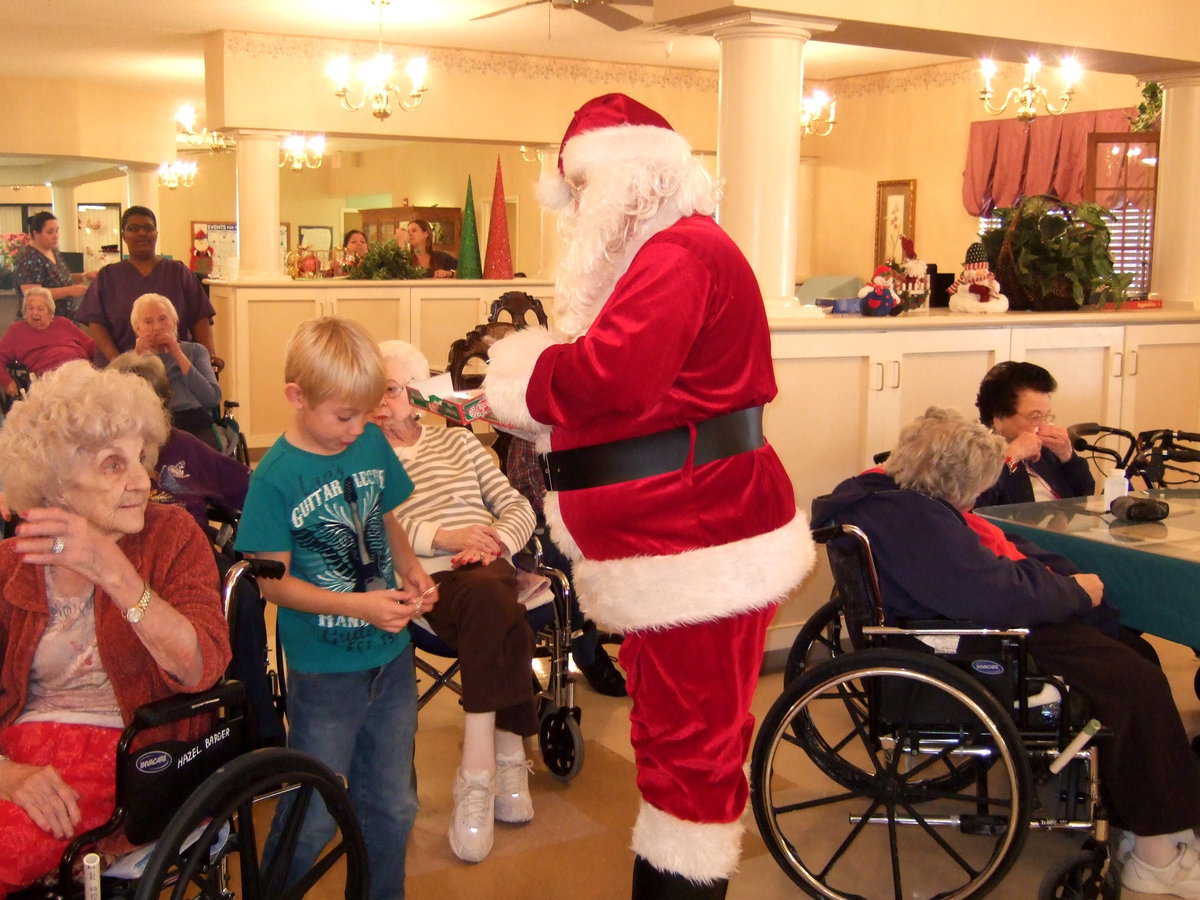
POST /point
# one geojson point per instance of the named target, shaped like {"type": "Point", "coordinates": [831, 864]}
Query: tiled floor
{"type": "Point", "coordinates": [576, 846]}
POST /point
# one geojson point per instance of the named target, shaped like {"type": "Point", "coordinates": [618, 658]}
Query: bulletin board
{"type": "Point", "coordinates": [222, 237]}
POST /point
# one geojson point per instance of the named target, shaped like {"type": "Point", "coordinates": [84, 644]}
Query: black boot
{"type": "Point", "coordinates": [650, 883]}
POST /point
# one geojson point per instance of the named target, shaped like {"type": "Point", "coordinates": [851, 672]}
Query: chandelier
{"type": "Point", "coordinates": [181, 173]}
{"type": "Point", "coordinates": [215, 141]}
{"type": "Point", "coordinates": [1030, 93]}
{"type": "Point", "coordinates": [818, 114]}
{"type": "Point", "coordinates": [300, 152]}
{"type": "Point", "coordinates": [376, 77]}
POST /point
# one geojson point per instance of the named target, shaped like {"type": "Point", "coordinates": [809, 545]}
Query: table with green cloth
{"type": "Point", "coordinates": [1150, 570]}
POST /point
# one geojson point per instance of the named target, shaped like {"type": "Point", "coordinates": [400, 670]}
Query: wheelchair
{"type": "Point", "coordinates": [912, 761]}
{"type": "Point", "coordinates": [560, 740]}
{"type": "Point", "coordinates": [22, 378]}
{"type": "Point", "coordinates": [196, 800]}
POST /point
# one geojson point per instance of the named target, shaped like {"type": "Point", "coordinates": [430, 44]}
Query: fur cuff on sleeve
{"type": "Point", "coordinates": [510, 365]}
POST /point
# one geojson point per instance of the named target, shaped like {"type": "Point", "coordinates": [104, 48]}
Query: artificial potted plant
{"type": "Point", "coordinates": [1052, 255]}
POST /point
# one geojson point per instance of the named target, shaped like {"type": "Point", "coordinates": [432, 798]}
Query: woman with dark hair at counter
{"type": "Point", "coordinates": [437, 263]}
{"type": "Point", "coordinates": [40, 264]}
{"type": "Point", "coordinates": [354, 248]}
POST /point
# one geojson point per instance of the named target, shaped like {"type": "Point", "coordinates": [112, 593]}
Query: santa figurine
{"type": "Point", "coordinates": [878, 298]}
{"type": "Point", "coordinates": [976, 290]}
{"type": "Point", "coordinates": [202, 254]}
{"type": "Point", "coordinates": [914, 280]}
{"type": "Point", "coordinates": [679, 519]}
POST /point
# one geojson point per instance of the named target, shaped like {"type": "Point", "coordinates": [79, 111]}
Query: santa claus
{"type": "Point", "coordinates": [678, 517]}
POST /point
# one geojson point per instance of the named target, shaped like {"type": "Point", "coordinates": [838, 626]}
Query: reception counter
{"type": "Point", "coordinates": [846, 383]}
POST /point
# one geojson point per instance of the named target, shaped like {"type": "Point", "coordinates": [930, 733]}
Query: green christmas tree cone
{"type": "Point", "coordinates": [469, 265]}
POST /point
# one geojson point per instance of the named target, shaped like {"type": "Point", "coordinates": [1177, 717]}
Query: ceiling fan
{"type": "Point", "coordinates": [600, 10]}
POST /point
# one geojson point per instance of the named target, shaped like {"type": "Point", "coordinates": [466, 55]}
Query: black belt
{"type": "Point", "coordinates": [652, 454]}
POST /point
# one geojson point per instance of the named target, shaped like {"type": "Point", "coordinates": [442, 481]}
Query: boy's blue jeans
{"type": "Point", "coordinates": [362, 725]}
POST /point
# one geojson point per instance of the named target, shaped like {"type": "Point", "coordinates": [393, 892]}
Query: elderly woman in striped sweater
{"type": "Point", "coordinates": [465, 521]}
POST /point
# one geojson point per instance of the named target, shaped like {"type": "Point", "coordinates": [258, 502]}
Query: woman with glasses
{"type": "Point", "coordinates": [1040, 463]}
{"type": "Point", "coordinates": [108, 303]}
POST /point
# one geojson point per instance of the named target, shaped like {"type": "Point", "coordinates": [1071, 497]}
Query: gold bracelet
{"type": "Point", "coordinates": [134, 614]}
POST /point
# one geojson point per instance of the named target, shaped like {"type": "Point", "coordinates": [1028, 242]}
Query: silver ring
{"type": "Point", "coordinates": [420, 606]}
{"type": "Point", "coordinates": [58, 545]}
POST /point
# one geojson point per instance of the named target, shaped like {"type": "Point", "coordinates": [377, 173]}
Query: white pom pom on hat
{"type": "Point", "coordinates": [610, 128]}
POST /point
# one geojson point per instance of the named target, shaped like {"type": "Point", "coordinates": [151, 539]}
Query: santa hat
{"type": "Point", "coordinates": [200, 235]}
{"type": "Point", "coordinates": [611, 128]}
{"type": "Point", "coordinates": [976, 257]}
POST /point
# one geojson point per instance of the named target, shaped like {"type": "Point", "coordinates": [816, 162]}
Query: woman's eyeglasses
{"type": "Point", "coordinates": [1038, 418]}
{"type": "Point", "coordinates": [393, 391]}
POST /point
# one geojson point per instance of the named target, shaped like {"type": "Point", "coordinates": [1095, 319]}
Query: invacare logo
{"type": "Point", "coordinates": [153, 761]}
{"type": "Point", "coordinates": [987, 667]}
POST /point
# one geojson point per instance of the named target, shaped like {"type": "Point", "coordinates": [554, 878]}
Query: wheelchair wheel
{"type": "Point", "coordinates": [561, 743]}
{"type": "Point", "coordinates": [1088, 875]}
{"type": "Point", "coordinates": [821, 638]}
{"type": "Point", "coordinates": [228, 796]}
{"type": "Point", "coordinates": [890, 773]}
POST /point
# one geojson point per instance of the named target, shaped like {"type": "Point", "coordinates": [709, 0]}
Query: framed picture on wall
{"type": "Point", "coordinates": [895, 212]}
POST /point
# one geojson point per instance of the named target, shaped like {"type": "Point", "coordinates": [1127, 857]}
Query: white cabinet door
{"type": "Point", "coordinates": [1086, 361]}
{"type": "Point", "coordinates": [1162, 377]}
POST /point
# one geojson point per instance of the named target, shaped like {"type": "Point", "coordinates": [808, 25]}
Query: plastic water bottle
{"type": "Point", "coordinates": [1115, 485]}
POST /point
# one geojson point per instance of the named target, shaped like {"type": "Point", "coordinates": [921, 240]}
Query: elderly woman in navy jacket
{"type": "Point", "coordinates": [937, 559]}
{"type": "Point", "coordinates": [1039, 462]}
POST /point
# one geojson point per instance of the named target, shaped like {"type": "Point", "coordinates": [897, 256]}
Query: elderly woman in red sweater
{"type": "Point", "coordinates": [106, 603]}
{"type": "Point", "coordinates": [39, 341]}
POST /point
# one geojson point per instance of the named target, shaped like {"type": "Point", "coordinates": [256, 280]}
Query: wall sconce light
{"type": "Point", "coordinates": [302, 153]}
{"type": "Point", "coordinates": [376, 77]}
{"type": "Point", "coordinates": [818, 114]}
{"type": "Point", "coordinates": [1030, 93]}
{"type": "Point", "coordinates": [530, 155]}
{"type": "Point", "coordinates": [185, 118]}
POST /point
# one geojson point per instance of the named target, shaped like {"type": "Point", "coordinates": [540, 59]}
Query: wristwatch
{"type": "Point", "coordinates": [134, 614]}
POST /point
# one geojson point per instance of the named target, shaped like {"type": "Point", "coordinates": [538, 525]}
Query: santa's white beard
{"type": "Point", "coordinates": [617, 211]}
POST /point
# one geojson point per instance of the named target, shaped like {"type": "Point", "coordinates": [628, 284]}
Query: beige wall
{"type": "Point", "coordinates": [903, 125]}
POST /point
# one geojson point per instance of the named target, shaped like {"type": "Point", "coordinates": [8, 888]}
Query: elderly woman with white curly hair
{"type": "Point", "coordinates": [106, 603]}
{"type": "Point", "coordinates": [935, 558]}
{"type": "Point", "coordinates": [194, 389]}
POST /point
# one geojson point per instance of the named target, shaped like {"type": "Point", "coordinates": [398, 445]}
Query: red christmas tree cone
{"type": "Point", "coordinates": [498, 261]}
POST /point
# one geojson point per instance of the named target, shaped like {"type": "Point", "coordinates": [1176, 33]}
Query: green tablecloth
{"type": "Point", "coordinates": [1150, 570]}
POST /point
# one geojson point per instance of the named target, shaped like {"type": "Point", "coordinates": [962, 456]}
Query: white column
{"type": "Point", "coordinates": [1174, 276]}
{"type": "Point", "coordinates": [258, 206]}
{"type": "Point", "coordinates": [551, 244]}
{"type": "Point", "coordinates": [141, 186]}
{"type": "Point", "coordinates": [758, 142]}
{"type": "Point", "coordinates": [66, 210]}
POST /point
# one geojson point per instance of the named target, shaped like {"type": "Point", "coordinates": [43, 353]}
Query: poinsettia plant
{"type": "Point", "coordinates": [10, 246]}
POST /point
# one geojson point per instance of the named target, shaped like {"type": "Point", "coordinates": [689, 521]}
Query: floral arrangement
{"type": "Point", "coordinates": [386, 261]}
{"type": "Point", "coordinates": [10, 246]}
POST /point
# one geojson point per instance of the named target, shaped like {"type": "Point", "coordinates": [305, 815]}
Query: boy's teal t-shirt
{"type": "Point", "coordinates": [297, 504]}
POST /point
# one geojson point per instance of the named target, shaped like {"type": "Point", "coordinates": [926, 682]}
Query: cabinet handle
{"type": "Point", "coordinates": [879, 381]}
{"type": "Point", "coordinates": [1117, 373]}
{"type": "Point", "coordinates": [1132, 362]}
{"type": "Point", "coordinates": [895, 373]}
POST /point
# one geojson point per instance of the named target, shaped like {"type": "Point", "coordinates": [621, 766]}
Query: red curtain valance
{"type": "Point", "coordinates": [1008, 159]}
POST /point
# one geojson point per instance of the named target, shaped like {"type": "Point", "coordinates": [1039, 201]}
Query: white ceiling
{"type": "Point", "coordinates": [158, 44]}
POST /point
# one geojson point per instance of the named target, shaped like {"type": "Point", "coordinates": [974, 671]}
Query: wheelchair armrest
{"type": "Point", "coordinates": [184, 706]}
{"type": "Point", "coordinates": [946, 627]}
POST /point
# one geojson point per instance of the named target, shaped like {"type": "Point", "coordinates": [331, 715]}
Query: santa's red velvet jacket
{"type": "Point", "coordinates": [683, 338]}
{"type": "Point", "coordinates": [173, 555]}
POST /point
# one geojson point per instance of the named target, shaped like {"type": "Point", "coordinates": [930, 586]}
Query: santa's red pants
{"type": "Point", "coordinates": [85, 756]}
{"type": "Point", "coordinates": [691, 725]}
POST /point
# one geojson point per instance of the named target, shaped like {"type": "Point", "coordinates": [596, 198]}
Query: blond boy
{"type": "Point", "coordinates": [319, 503]}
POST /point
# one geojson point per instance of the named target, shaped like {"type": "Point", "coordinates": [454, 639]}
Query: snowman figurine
{"type": "Point", "coordinates": [976, 290]}
{"type": "Point", "coordinates": [878, 297]}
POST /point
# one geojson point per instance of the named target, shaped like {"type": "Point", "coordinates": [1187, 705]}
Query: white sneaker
{"type": "Point", "coordinates": [1180, 877]}
{"type": "Point", "coordinates": [513, 802]}
{"type": "Point", "coordinates": [471, 823]}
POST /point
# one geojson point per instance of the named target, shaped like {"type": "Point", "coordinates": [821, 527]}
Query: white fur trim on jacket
{"type": "Point", "coordinates": [703, 852]}
{"type": "Point", "coordinates": [645, 592]}
{"type": "Point", "coordinates": [510, 365]}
